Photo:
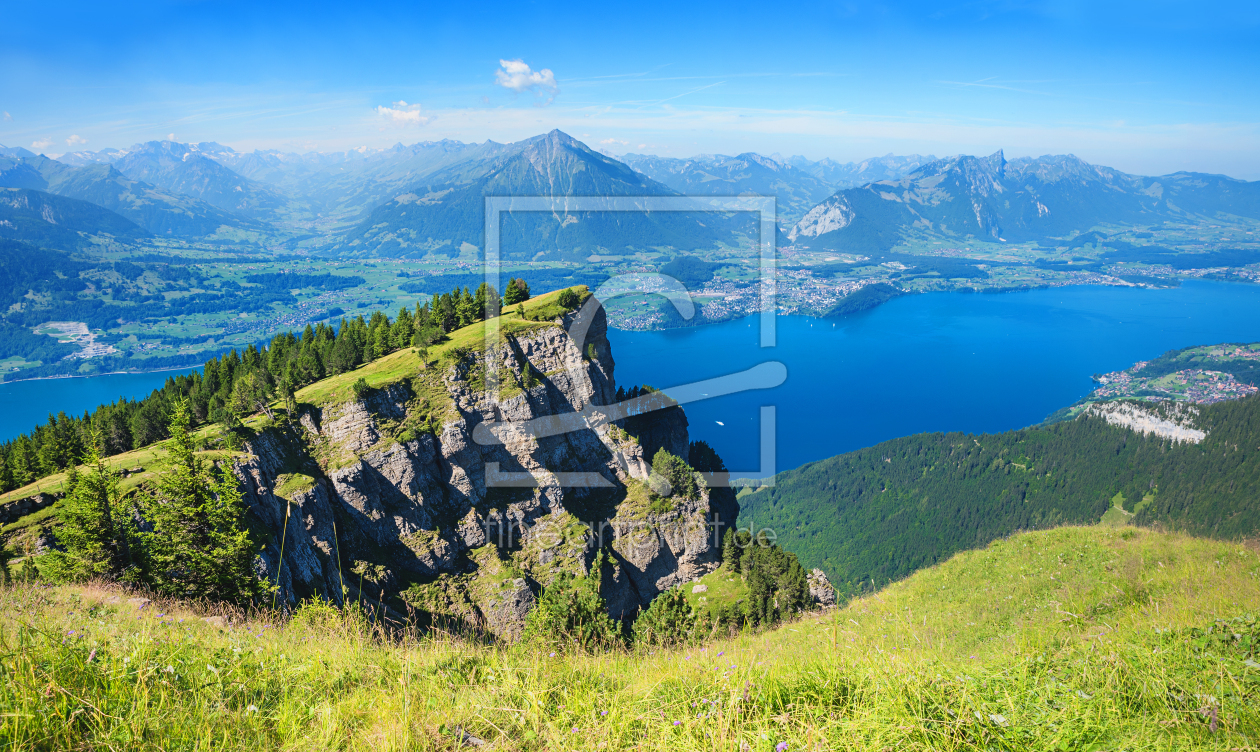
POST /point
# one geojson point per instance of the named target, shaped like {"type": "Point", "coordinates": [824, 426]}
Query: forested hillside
{"type": "Point", "coordinates": [880, 513]}
{"type": "Point", "coordinates": [236, 385]}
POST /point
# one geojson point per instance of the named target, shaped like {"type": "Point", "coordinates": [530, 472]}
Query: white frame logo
{"type": "Point", "coordinates": [765, 375]}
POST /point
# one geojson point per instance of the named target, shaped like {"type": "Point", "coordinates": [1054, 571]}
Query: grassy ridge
{"type": "Point", "coordinates": [1069, 639]}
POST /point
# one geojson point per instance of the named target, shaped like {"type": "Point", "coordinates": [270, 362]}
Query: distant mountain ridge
{"type": "Point", "coordinates": [428, 197]}
{"type": "Point", "coordinates": [45, 219]}
{"type": "Point", "coordinates": [850, 174]}
{"type": "Point", "coordinates": [195, 172]}
{"type": "Point", "coordinates": [445, 212]}
{"type": "Point", "coordinates": [158, 211]}
{"type": "Point", "coordinates": [746, 174]}
{"type": "Point", "coordinates": [988, 198]}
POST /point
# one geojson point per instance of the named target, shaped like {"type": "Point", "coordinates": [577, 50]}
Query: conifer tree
{"type": "Point", "coordinates": [730, 553]}
{"type": "Point", "coordinates": [198, 547]}
{"type": "Point", "coordinates": [93, 530]}
{"type": "Point", "coordinates": [402, 329]}
{"type": "Point", "coordinates": [517, 292]}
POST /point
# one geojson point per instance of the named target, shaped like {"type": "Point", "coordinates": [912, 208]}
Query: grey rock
{"type": "Point", "coordinates": [820, 588]}
{"type": "Point", "coordinates": [423, 506]}
{"type": "Point", "coordinates": [505, 610]}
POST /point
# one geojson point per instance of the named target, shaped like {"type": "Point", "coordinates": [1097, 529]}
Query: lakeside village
{"type": "Point", "coordinates": [1202, 386]}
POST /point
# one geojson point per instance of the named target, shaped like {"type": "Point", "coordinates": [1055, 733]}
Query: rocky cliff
{"type": "Point", "coordinates": [429, 493]}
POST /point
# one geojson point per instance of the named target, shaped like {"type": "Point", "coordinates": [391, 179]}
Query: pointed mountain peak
{"type": "Point", "coordinates": [997, 162]}
{"type": "Point", "coordinates": [558, 136]}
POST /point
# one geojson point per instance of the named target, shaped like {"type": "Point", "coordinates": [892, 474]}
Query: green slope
{"type": "Point", "coordinates": [880, 513]}
{"type": "Point", "coordinates": [58, 222]}
{"type": "Point", "coordinates": [1074, 639]}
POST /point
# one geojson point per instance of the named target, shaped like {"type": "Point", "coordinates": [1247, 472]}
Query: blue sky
{"type": "Point", "coordinates": [1150, 87]}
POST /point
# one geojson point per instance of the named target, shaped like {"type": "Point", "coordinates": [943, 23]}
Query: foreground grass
{"type": "Point", "coordinates": [1070, 639]}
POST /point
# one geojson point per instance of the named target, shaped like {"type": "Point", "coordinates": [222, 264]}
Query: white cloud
{"type": "Point", "coordinates": [42, 143]}
{"type": "Point", "coordinates": [7, 117]}
{"type": "Point", "coordinates": [74, 141]}
{"type": "Point", "coordinates": [517, 76]}
{"type": "Point", "coordinates": [611, 141]}
{"type": "Point", "coordinates": [170, 137]}
{"type": "Point", "coordinates": [403, 114]}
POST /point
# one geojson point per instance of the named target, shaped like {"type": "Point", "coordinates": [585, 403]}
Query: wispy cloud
{"type": "Point", "coordinates": [42, 143]}
{"type": "Point", "coordinates": [7, 117]}
{"type": "Point", "coordinates": [75, 140]}
{"type": "Point", "coordinates": [992, 83]}
{"type": "Point", "coordinates": [403, 114]}
{"type": "Point", "coordinates": [517, 76]}
{"type": "Point", "coordinates": [613, 141]}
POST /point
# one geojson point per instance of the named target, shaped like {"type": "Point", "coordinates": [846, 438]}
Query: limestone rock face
{"type": "Point", "coordinates": [353, 497]}
{"type": "Point", "coordinates": [820, 589]}
{"type": "Point", "coordinates": [506, 610]}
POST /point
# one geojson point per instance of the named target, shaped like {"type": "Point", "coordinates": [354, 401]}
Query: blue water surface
{"type": "Point", "coordinates": [932, 362]}
{"type": "Point", "coordinates": [25, 404]}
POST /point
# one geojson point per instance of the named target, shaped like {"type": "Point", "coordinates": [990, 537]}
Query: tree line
{"type": "Point", "coordinates": [237, 384]}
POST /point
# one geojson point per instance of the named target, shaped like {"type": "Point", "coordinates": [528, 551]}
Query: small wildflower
{"type": "Point", "coordinates": [603, 712]}
{"type": "Point", "coordinates": [677, 723]}
{"type": "Point", "coordinates": [91, 655]}
{"type": "Point", "coordinates": [252, 709]}
{"type": "Point", "coordinates": [575, 729]}
{"type": "Point", "coordinates": [721, 653]}
{"type": "Point", "coordinates": [553, 655]}
{"type": "Point", "coordinates": [780, 747]}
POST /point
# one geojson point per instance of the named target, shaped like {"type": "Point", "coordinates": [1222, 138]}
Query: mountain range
{"type": "Point", "coordinates": [444, 213]}
{"type": "Point", "coordinates": [428, 198]}
{"type": "Point", "coordinates": [161, 212]}
{"type": "Point", "coordinates": [797, 190]}
{"type": "Point", "coordinates": [989, 198]}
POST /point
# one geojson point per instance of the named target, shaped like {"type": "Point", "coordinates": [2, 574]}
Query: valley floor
{"type": "Point", "coordinates": [1069, 639]}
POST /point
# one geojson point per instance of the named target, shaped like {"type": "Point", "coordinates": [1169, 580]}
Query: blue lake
{"type": "Point", "coordinates": [25, 404]}
{"type": "Point", "coordinates": [934, 362]}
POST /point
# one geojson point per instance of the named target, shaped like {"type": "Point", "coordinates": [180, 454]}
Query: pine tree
{"type": "Point", "coordinates": [93, 531]}
{"type": "Point", "coordinates": [402, 329]}
{"type": "Point", "coordinates": [198, 547]}
{"type": "Point", "coordinates": [669, 620]}
{"type": "Point", "coordinates": [730, 552]}
{"type": "Point", "coordinates": [486, 296]}
{"type": "Point", "coordinates": [517, 292]}
{"type": "Point", "coordinates": [380, 342]}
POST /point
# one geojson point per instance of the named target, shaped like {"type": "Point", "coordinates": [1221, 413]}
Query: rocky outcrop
{"type": "Point", "coordinates": [431, 493]}
{"type": "Point", "coordinates": [820, 589]}
{"type": "Point", "coordinates": [15, 510]}
{"type": "Point", "coordinates": [1168, 420]}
